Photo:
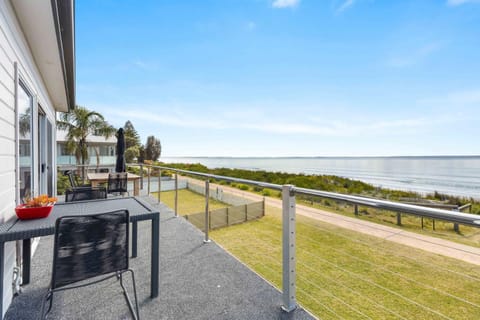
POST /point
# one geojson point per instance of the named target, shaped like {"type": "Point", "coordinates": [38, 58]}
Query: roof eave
{"type": "Point", "coordinates": [49, 29]}
{"type": "Point", "coordinates": [64, 15]}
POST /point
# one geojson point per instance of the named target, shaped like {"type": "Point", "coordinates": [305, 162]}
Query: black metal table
{"type": "Point", "coordinates": [27, 229]}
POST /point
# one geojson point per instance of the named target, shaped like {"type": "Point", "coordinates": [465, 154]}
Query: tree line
{"type": "Point", "coordinates": [80, 123]}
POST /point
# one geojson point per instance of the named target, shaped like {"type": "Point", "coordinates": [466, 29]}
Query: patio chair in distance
{"type": "Point", "coordinates": [89, 246]}
{"type": "Point", "coordinates": [73, 181]}
{"type": "Point", "coordinates": [117, 182]}
{"type": "Point", "coordinates": [83, 194]}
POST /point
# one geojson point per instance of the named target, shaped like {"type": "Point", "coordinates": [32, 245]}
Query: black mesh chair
{"type": "Point", "coordinates": [73, 180]}
{"type": "Point", "coordinates": [90, 246]}
{"type": "Point", "coordinates": [117, 182]}
{"type": "Point", "coordinates": [87, 193]}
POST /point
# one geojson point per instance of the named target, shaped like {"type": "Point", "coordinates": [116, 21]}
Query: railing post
{"type": "Point", "coordinates": [159, 183]}
{"type": "Point", "coordinates": [148, 180]}
{"type": "Point", "coordinates": [207, 216]}
{"type": "Point", "coordinates": [176, 194]}
{"type": "Point", "coordinates": [141, 176]}
{"type": "Point", "coordinates": [289, 248]}
{"type": "Point", "coordinates": [228, 219]}
{"type": "Point", "coordinates": [456, 228]}
{"type": "Point", "coordinates": [263, 207]}
{"type": "Point", "coordinates": [356, 209]}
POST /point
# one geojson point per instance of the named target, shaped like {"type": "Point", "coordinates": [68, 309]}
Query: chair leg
{"type": "Point", "coordinates": [135, 314]}
{"type": "Point", "coordinates": [48, 297]}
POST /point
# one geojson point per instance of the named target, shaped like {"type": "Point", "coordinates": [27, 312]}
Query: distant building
{"type": "Point", "coordinates": [101, 151]}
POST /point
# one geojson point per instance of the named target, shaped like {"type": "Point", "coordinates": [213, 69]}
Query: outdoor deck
{"type": "Point", "coordinates": [197, 281]}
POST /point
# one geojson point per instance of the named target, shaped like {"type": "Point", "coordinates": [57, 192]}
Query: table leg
{"type": "Point", "coordinates": [2, 256]}
{"type": "Point", "coordinates": [26, 254]}
{"type": "Point", "coordinates": [155, 256]}
{"type": "Point", "coordinates": [134, 238]}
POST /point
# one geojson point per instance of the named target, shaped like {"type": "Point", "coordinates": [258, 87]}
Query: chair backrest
{"type": "Point", "coordinates": [117, 182]}
{"type": "Point", "coordinates": [71, 178]}
{"type": "Point", "coordinates": [85, 193]}
{"type": "Point", "coordinates": [89, 245]}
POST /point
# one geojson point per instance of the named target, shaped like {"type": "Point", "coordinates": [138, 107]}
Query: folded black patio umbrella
{"type": "Point", "coordinates": [120, 164]}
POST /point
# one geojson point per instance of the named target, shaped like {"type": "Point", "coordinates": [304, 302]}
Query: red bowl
{"type": "Point", "coordinates": [24, 213]}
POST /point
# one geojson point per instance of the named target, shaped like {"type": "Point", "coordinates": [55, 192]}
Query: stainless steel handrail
{"type": "Point", "coordinates": [440, 214]}
{"type": "Point", "coordinates": [289, 218]}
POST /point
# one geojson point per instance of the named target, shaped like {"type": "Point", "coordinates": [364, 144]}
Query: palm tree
{"type": "Point", "coordinates": [79, 124]}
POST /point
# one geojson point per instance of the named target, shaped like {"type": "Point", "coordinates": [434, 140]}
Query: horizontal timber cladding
{"type": "Point", "coordinates": [225, 217]}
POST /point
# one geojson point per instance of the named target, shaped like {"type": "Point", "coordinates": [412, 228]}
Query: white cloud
{"type": "Point", "coordinates": [347, 4]}
{"type": "Point", "coordinates": [263, 122]}
{"type": "Point", "coordinates": [143, 65]}
{"type": "Point", "coordinates": [250, 26]}
{"type": "Point", "coordinates": [413, 56]}
{"type": "Point", "coordinates": [454, 3]}
{"type": "Point", "coordinates": [285, 3]}
{"type": "Point", "coordinates": [349, 128]}
{"type": "Point", "coordinates": [465, 97]}
{"type": "Point", "coordinates": [176, 119]}
{"type": "Point", "coordinates": [461, 106]}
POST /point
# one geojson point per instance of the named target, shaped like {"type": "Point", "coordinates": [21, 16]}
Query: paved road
{"type": "Point", "coordinates": [427, 243]}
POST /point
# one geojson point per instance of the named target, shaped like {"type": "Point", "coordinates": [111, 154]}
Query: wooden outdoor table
{"type": "Point", "coordinates": [98, 178]}
{"type": "Point", "coordinates": [27, 229]}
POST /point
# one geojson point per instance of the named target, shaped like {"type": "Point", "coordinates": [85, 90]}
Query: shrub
{"type": "Point", "coordinates": [134, 170]}
{"type": "Point", "coordinates": [62, 184]}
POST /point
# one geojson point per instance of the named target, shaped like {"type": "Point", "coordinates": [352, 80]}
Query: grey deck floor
{"type": "Point", "coordinates": [197, 281]}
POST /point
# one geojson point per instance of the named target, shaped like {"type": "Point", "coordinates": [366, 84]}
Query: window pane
{"type": "Point", "coordinates": [25, 143]}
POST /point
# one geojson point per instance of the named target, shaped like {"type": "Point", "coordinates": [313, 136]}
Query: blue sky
{"type": "Point", "coordinates": [285, 77]}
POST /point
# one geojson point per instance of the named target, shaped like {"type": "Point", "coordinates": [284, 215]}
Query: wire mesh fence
{"type": "Point", "coordinates": [225, 217]}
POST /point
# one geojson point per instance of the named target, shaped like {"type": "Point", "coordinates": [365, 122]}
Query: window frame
{"type": "Point", "coordinates": [21, 83]}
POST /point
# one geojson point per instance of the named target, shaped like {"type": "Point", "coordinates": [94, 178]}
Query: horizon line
{"type": "Point", "coordinates": [319, 157]}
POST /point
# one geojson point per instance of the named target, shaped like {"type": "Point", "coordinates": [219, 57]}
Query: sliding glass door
{"type": "Point", "coordinates": [25, 145]}
{"type": "Point", "coordinates": [35, 147]}
{"type": "Point", "coordinates": [45, 154]}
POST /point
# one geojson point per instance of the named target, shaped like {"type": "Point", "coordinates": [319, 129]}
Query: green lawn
{"type": "Point", "coordinates": [444, 230]}
{"type": "Point", "coordinates": [188, 201]}
{"type": "Point", "coordinates": [344, 274]}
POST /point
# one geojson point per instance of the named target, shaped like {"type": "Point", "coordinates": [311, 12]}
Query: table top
{"type": "Point", "coordinates": [104, 176]}
{"type": "Point", "coordinates": [25, 229]}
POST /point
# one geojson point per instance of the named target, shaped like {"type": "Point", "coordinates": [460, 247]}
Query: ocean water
{"type": "Point", "coordinates": [453, 175]}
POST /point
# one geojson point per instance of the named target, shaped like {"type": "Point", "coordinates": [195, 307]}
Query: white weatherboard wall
{"type": "Point", "coordinates": [14, 49]}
